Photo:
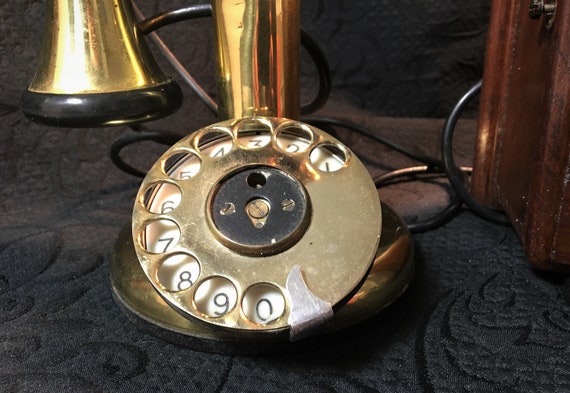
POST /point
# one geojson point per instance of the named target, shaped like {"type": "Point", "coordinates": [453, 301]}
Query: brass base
{"type": "Point", "coordinates": [388, 278]}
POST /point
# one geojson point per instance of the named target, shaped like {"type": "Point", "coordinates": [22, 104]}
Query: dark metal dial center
{"type": "Point", "coordinates": [259, 210]}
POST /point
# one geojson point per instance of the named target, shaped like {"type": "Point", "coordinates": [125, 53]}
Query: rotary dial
{"type": "Point", "coordinates": [257, 223]}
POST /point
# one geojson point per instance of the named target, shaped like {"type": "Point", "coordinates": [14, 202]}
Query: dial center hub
{"type": "Point", "coordinates": [259, 211]}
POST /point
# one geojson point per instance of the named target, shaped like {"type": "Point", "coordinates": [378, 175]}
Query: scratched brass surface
{"type": "Point", "coordinates": [335, 250]}
{"type": "Point", "coordinates": [93, 46]}
{"type": "Point", "coordinates": [391, 272]}
{"type": "Point", "coordinates": [258, 57]}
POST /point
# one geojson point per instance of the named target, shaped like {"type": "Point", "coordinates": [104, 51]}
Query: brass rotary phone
{"type": "Point", "coordinates": [259, 229]}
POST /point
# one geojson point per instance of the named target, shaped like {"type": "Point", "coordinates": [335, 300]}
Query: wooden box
{"type": "Point", "coordinates": [522, 161]}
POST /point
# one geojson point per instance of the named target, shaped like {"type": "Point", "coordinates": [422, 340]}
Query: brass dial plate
{"type": "Point", "coordinates": [180, 249]}
{"type": "Point", "coordinates": [389, 276]}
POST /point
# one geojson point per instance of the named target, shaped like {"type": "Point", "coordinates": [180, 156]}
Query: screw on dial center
{"type": "Point", "coordinates": [257, 208]}
{"type": "Point", "coordinates": [228, 209]}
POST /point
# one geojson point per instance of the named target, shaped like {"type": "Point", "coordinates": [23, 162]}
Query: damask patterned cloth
{"type": "Point", "coordinates": [476, 317]}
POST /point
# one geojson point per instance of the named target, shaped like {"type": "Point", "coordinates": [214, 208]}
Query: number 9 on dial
{"type": "Point", "coordinates": [215, 297]}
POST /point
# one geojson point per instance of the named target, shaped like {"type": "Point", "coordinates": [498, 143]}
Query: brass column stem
{"type": "Point", "coordinates": [258, 55]}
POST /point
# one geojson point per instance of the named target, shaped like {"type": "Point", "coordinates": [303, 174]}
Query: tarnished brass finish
{"type": "Point", "coordinates": [182, 270]}
{"type": "Point", "coordinates": [390, 275]}
{"type": "Point", "coordinates": [335, 250]}
{"type": "Point", "coordinates": [95, 69]}
{"type": "Point", "coordinates": [93, 46]}
{"type": "Point", "coordinates": [391, 272]}
{"type": "Point", "coordinates": [258, 47]}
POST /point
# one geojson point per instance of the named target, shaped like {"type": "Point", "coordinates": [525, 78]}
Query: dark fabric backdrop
{"type": "Point", "coordinates": [476, 317]}
{"type": "Point", "coordinates": [409, 58]}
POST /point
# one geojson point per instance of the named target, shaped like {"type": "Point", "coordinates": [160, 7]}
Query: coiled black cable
{"type": "Point", "coordinates": [316, 54]}
{"type": "Point", "coordinates": [169, 17]}
{"type": "Point", "coordinates": [413, 174]}
{"type": "Point", "coordinates": [164, 138]}
{"type": "Point", "coordinates": [454, 173]}
{"type": "Point", "coordinates": [319, 121]}
{"type": "Point", "coordinates": [457, 176]}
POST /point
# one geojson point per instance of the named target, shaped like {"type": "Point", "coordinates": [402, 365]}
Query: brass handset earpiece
{"type": "Point", "coordinates": [96, 70]}
{"type": "Point", "coordinates": [259, 230]}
